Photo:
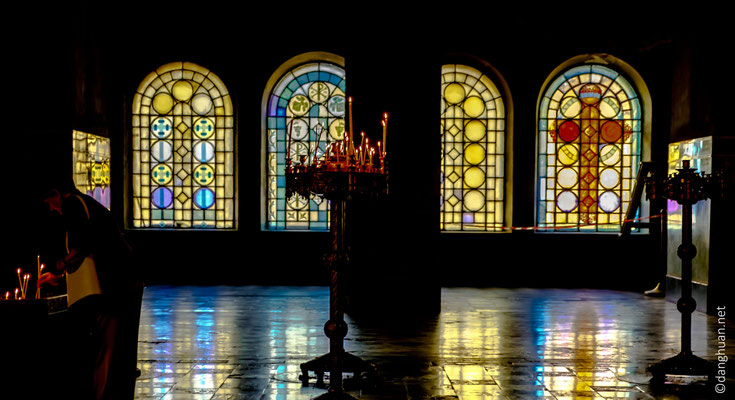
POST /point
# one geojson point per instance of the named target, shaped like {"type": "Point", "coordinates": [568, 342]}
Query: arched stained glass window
{"type": "Point", "coordinates": [589, 148]}
{"type": "Point", "coordinates": [473, 151]}
{"type": "Point", "coordinates": [183, 150]}
{"type": "Point", "coordinates": [307, 105]}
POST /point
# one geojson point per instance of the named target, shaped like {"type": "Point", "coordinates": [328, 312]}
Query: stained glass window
{"type": "Point", "coordinates": [183, 150]}
{"type": "Point", "coordinates": [473, 151]}
{"type": "Point", "coordinates": [307, 108]}
{"type": "Point", "coordinates": [91, 165]}
{"type": "Point", "coordinates": [589, 148]}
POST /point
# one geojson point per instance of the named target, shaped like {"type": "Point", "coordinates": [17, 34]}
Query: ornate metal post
{"type": "Point", "coordinates": [686, 187]}
{"type": "Point", "coordinates": [338, 187]}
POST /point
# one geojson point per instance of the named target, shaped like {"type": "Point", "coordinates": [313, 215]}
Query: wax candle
{"type": "Point", "coordinates": [351, 145]}
{"type": "Point", "coordinates": [288, 145]}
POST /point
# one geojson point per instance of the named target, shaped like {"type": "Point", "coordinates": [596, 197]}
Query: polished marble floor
{"type": "Point", "coordinates": [247, 342]}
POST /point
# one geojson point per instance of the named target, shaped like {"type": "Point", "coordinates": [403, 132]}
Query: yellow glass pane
{"type": "Point", "coordinates": [163, 103]}
{"type": "Point", "coordinates": [474, 153]}
{"type": "Point", "coordinates": [454, 93]}
{"type": "Point", "coordinates": [474, 107]}
{"type": "Point", "coordinates": [474, 200]}
{"type": "Point", "coordinates": [474, 177]}
{"type": "Point", "coordinates": [182, 90]}
{"type": "Point", "coordinates": [475, 130]}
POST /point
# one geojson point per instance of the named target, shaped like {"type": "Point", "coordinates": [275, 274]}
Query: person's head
{"type": "Point", "coordinates": [57, 188]}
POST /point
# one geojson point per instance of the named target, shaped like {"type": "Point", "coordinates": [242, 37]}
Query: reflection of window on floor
{"type": "Point", "coordinates": [91, 163]}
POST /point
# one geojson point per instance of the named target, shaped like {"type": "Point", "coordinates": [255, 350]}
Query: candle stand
{"type": "Point", "coordinates": [686, 187]}
{"type": "Point", "coordinates": [339, 183]}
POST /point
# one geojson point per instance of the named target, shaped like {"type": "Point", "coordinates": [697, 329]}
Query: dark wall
{"type": "Point", "coordinates": [393, 64]}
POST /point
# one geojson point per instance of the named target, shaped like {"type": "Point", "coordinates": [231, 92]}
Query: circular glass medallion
{"type": "Point", "coordinates": [454, 93]}
{"type": "Point", "coordinates": [474, 107]}
{"type": "Point", "coordinates": [566, 201]}
{"type": "Point", "coordinates": [474, 177]}
{"type": "Point", "coordinates": [568, 154]}
{"type": "Point", "coordinates": [202, 104]}
{"type": "Point", "coordinates": [475, 130]}
{"type": "Point", "coordinates": [590, 94]}
{"type": "Point", "coordinates": [609, 178]}
{"type": "Point", "coordinates": [163, 103]}
{"type": "Point", "coordinates": [162, 197]}
{"type": "Point", "coordinates": [474, 153]}
{"type": "Point", "coordinates": [299, 129]}
{"type": "Point", "coordinates": [570, 106]}
{"type": "Point", "coordinates": [161, 150]}
{"type": "Point", "coordinates": [611, 131]}
{"type": "Point", "coordinates": [204, 198]}
{"type": "Point", "coordinates": [319, 92]}
{"type": "Point", "coordinates": [299, 105]}
{"type": "Point", "coordinates": [474, 200]}
{"type": "Point", "coordinates": [203, 174]}
{"type": "Point", "coordinates": [337, 129]}
{"type": "Point", "coordinates": [568, 131]}
{"type": "Point", "coordinates": [610, 154]}
{"type": "Point", "coordinates": [567, 178]}
{"type": "Point", "coordinates": [336, 105]}
{"type": "Point", "coordinates": [161, 174]}
{"type": "Point", "coordinates": [609, 107]}
{"type": "Point", "coordinates": [182, 90]}
{"type": "Point", "coordinates": [204, 128]}
{"type": "Point", "coordinates": [609, 202]}
{"type": "Point", "coordinates": [160, 127]}
{"type": "Point", "coordinates": [203, 151]}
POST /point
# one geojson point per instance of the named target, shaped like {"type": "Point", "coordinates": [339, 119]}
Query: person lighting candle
{"type": "Point", "coordinates": [104, 292]}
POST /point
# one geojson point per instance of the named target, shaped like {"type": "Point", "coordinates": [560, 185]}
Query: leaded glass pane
{"type": "Point", "coordinates": [91, 165]}
{"type": "Point", "coordinates": [473, 137]}
{"type": "Point", "coordinates": [307, 108]}
{"type": "Point", "coordinates": [183, 157]}
{"type": "Point", "coordinates": [589, 150]}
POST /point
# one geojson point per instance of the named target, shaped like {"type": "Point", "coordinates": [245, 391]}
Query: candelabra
{"type": "Point", "coordinates": [686, 187]}
{"type": "Point", "coordinates": [343, 173]}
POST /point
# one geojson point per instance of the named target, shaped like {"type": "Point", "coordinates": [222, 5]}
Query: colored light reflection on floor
{"type": "Point", "coordinates": [248, 342]}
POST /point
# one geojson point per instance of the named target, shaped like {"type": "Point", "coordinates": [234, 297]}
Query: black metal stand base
{"type": "Point", "coordinates": [350, 363]}
{"type": "Point", "coordinates": [681, 365]}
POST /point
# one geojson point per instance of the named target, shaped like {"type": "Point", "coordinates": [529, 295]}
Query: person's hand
{"type": "Point", "coordinates": [49, 279]}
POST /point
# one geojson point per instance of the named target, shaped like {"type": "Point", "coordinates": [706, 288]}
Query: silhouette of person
{"type": "Point", "coordinates": [104, 291]}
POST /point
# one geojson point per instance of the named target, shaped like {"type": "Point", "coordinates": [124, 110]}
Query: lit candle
{"type": "Point", "coordinates": [7, 295]}
{"type": "Point", "coordinates": [16, 293]}
{"type": "Point", "coordinates": [351, 145]}
{"type": "Point", "coordinates": [288, 145]}
{"type": "Point", "coordinates": [20, 280]}
{"type": "Point", "coordinates": [385, 131]}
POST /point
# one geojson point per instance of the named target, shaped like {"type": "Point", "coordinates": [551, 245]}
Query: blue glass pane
{"type": "Point", "coordinates": [583, 69]}
{"type": "Point", "coordinates": [604, 71]}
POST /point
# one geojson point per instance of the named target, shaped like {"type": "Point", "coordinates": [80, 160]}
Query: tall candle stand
{"type": "Point", "coordinates": [340, 177]}
{"type": "Point", "coordinates": [686, 187]}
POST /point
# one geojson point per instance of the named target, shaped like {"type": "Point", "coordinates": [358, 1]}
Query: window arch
{"type": "Point", "coordinates": [304, 102]}
{"type": "Point", "coordinates": [183, 150]}
{"type": "Point", "coordinates": [473, 174]}
{"type": "Point", "coordinates": [592, 135]}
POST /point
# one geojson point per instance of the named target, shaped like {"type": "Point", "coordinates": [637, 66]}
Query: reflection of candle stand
{"type": "Point", "coordinates": [686, 188]}
{"type": "Point", "coordinates": [344, 173]}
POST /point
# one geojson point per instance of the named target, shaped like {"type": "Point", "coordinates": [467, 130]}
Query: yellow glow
{"type": "Point", "coordinates": [474, 177]}
{"type": "Point", "coordinates": [474, 154]}
{"type": "Point", "coordinates": [163, 103]}
{"type": "Point", "coordinates": [474, 107]}
{"type": "Point", "coordinates": [454, 93]}
{"type": "Point", "coordinates": [474, 200]}
{"type": "Point", "coordinates": [474, 130]}
{"type": "Point", "coordinates": [182, 90]}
